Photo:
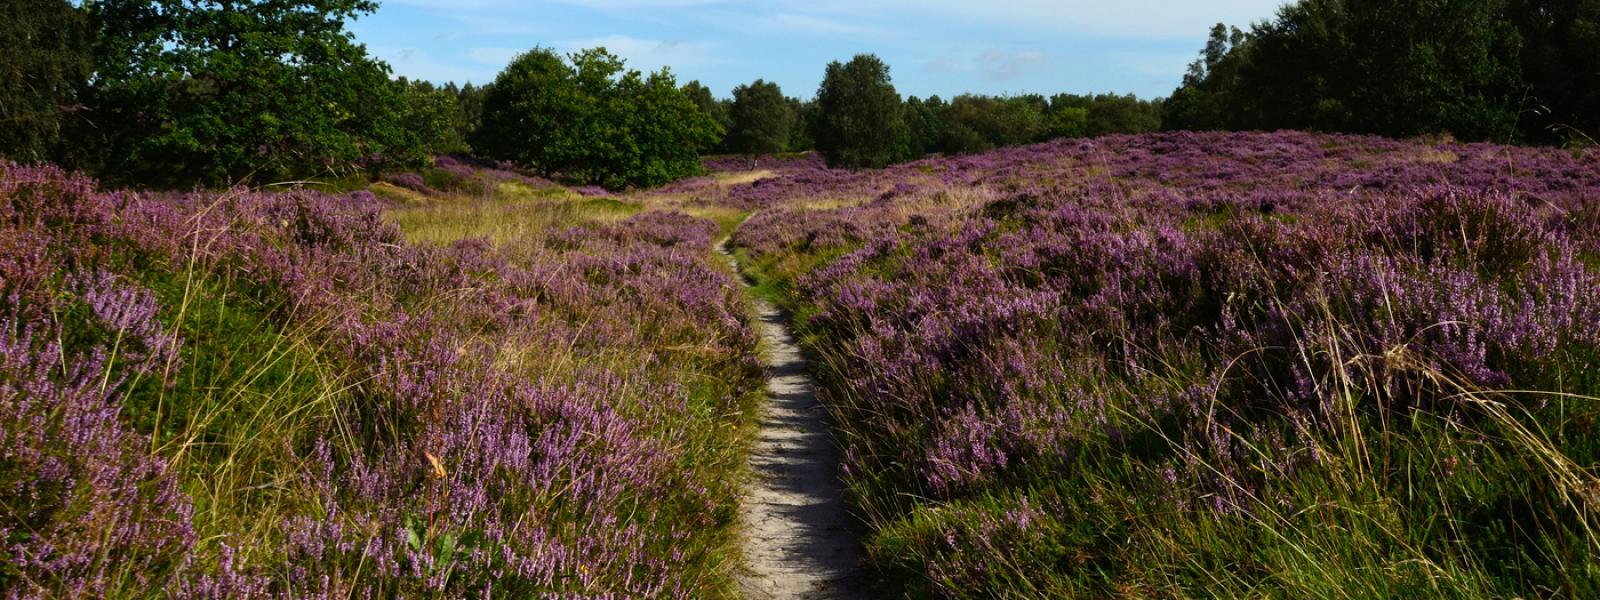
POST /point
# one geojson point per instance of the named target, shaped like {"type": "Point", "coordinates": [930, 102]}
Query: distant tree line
{"type": "Point", "coordinates": [175, 93]}
{"type": "Point", "coordinates": [1503, 70]}
{"type": "Point", "coordinates": [172, 93]}
{"type": "Point", "coordinates": [858, 119]}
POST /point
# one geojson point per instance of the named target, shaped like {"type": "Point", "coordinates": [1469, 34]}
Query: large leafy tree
{"type": "Point", "coordinates": [589, 120]}
{"type": "Point", "coordinates": [709, 104]}
{"type": "Point", "coordinates": [860, 120]}
{"type": "Point", "coordinates": [530, 106]}
{"type": "Point", "coordinates": [44, 60]}
{"type": "Point", "coordinates": [231, 90]}
{"type": "Point", "coordinates": [668, 131]}
{"type": "Point", "coordinates": [762, 119]}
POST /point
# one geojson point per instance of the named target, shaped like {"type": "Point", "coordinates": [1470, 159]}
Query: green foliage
{"type": "Point", "coordinates": [468, 115]}
{"type": "Point", "coordinates": [973, 123]}
{"type": "Point", "coordinates": [593, 122]}
{"type": "Point", "coordinates": [1111, 113]}
{"type": "Point", "coordinates": [1067, 122]}
{"type": "Point", "coordinates": [718, 109]}
{"type": "Point", "coordinates": [923, 123]}
{"type": "Point", "coordinates": [46, 59]}
{"type": "Point", "coordinates": [762, 119]}
{"type": "Point", "coordinates": [860, 124]}
{"type": "Point", "coordinates": [428, 122]}
{"type": "Point", "coordinates": [217, 92]}
{"type": "Point", "coordinates": [1477, 69]}
{"type": "Point", "coordinates": [979, 123]}
{"type": "Point", "coordinates": [1560, 67]}
{"type": "Point", "coordinates": [806, 116]}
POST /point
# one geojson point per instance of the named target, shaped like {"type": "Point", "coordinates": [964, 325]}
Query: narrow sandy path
{"type": "Point", "coordinates": [797, 538]}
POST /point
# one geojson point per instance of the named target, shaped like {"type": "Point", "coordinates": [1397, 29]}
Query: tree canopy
{"type": "Point", "coordinates": [860, 122]}
{"type": "Point", "coordinates": [587, 119]}
{"type": "Point", "coordinates": [231, 90]}
{"type": "Point", "coordinates": [762, 119]}
{"type": "Point", "coordinates": [1504, 70]}
{"type": "Point", "coordinates": [45, 62]}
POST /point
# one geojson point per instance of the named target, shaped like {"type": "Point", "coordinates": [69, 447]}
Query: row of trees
{"type": "Point", "coordinates": [858, 119]}
{"type": "Point", "coordinates": [175, 92]}
{"type": "Point", "coordinates": [862, 122]}
{"type": "Point", "coordinates": [585, 117]}
{"type": "Point", "coordinates": [1503, 70]}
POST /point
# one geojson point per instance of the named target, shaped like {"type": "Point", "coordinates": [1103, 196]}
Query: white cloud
{"type": "Point", "coordinates": [494, 57]}
{"type": "Point", "coordinates": [638, 4]}
{"type": "Point", "coordinates": [1130, 18]}
{"type": "Point", "coordinates": [807, 23]}
{"type": "Point", "coordinates": [650, 55]}
{"type": "Point", "coordinates": [476, 25]}
{"type": "Point", "coordinates": [418, 64]}
{"type": "Point", "coordinates": [457, 5]}
{"type": "Point", "coordinates": [999, 65]}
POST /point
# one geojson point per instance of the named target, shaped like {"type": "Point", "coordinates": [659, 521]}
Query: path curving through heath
{"type": "Point", "coordinates": [797, 536]}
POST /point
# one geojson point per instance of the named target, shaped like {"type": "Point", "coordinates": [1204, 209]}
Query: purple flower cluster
{"type": "Point", "coordinates": [515, 421]}
{"type": "Point", "coordinates": [1206, 306]}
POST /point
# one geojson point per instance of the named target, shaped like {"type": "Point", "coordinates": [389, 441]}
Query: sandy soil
{"type": "Point", "coordinates": [798, 541]}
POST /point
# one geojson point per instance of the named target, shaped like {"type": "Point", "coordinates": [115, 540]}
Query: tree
{"type": "Point", "coordinates": [530, 106]}
{"type": "Point", "coordinates": [718, 110]}
{"type": "Point", "coordinates": [805, 115]}
{"type": "Point", "coordinates": [469, 112]}
{"type": "Point", "coordinates": [45, 62]}
{"type": "Point", "coordinates": [427, 123]}
{"type": "Point", "coordinates": [977, 123]}
{"type": "Point", "coordinates": [589, 120]}
{"type": "Point", "coordinates": [1561, 68]}
{"type": "Point", "coordinates": [1112, 113]}
{"type": "Point", "coordinates": [1212, 80]}
{"type": "Point", "coordinates": [231, 90]}
{"type": "Point", "coordinates": [1067, 121]}
{"type": "Point", "coordinates": [1397, 67]}
{"type": "Point", "coordinates": [924, 126]}
{"type": "Point", "coordinates": [860, 122]}
{"type": "Point", "coordinates": [762, 119]}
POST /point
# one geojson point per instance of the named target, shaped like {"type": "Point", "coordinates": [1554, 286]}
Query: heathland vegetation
{"type": "Point", "coordinates": [278, 324]}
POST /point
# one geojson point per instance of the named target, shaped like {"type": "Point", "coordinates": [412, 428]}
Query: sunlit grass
{"type": "Point", "coordinates": [736, 178]}
{"type": "Point", "coordinates": [517, 213]}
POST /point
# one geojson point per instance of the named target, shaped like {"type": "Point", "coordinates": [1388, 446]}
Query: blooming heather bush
{"type": "Point", "coordinates": [410, 181]}
{"type": "Point", "coordinates": [255, 394]}
{"type": "Point", "coordinates": [1208, 364]}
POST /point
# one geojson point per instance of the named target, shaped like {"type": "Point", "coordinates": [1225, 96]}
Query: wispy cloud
{"type": "Point", "coordinates": [999, 65]}
{"type": "Point", "coordinates": [943, 46]}
{"type": "Point", "coordinates": [810, 23]}
{"type": "Point", "coordinates": [649, 55]}
{"type": "Point", "coordinates": [495, 57]}
{"type": "Point", "coordinates": [640, 4]}
{"type": "Point", "coordinates": [478, 25]}
{"type": "Point", "coordinates": [1123, 18]}
{"type": "Point", "coordinates": [419, 64]}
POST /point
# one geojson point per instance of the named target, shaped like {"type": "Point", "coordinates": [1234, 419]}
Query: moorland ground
{"type": "Point", "coordinates": [1161, 365]}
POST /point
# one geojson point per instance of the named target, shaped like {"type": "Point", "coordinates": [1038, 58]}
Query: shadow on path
{"type": "Point", "coordinates": [798, 541]}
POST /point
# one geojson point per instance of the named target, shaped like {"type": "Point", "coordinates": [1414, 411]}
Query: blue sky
{"type": "Point", "coordinates": [940, 47]}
